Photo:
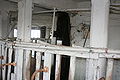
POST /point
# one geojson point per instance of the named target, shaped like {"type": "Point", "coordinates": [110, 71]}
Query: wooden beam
{"type": "Point", "coordinates": [109, 69]}
{"type": "Point", "coordinates": [72, 68]}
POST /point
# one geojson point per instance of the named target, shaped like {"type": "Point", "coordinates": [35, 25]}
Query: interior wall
{"type": "Point", "coordinates": [76, 32]}
{"type": "Point", "coordinates": [114, 42]}
{"type": "Point", "coordinates": [60, 4]}
{"type": "Point", "coordinates": [5, 7]}
{"type": "Point", "coordinates": [116, 70]}
{"type": "Point", "coordinates": [114, 31]}
{"type": "Point", "coordinates": [42, 20]}
{"type": "Point", "coordinates": [80, 69]}
{"type": "Point", "coordinates": [84, 5]}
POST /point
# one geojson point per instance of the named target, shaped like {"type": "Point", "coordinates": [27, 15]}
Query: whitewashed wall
{"type": "Point", "coordinates": [57, 3]}
{"type": "Point", "coordinates": [113, 30]}
{"type": "Point", "coordinates": [42, 20]}
{"type": "Point", "coordinates": [76, 36]}
{"type": "Point", "coordinates": [5, 7]}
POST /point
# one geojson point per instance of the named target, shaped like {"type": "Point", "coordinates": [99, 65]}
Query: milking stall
{"type": "Point", "coordinates": [59, 39]}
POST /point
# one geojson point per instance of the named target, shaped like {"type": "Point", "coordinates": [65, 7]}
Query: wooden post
{"type": "Point", "coordinates": [38, 64]}
{"type": "Point", "coordinates": [58, 67]}
{"type": "Point", "coordinates": [9, 61]}
{"type": "Point", "coordinates": [24, 34]}
{"type": "Point", "coordinates": [14, 76]}
{"type": "Point", "coordinates": [26, 65]}
{"type": "Point", "coordinates": [99, 33]}
{"type": "Point", "coordinates": [72, 68]}
{"type": "Point", "coordinates": [4, 53]}
{"type": "Point", "coordinates": [109, 69]}
{"type": "Point", "coordinates": [19, 66]}
{"type": "Point", "coordinates": [47, 63]}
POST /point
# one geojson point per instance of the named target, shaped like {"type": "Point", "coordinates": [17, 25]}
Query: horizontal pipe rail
{"type": "Point", "coordinates": [8, 64]}
{"type": "Point", "coordinates": [65, 10]}
{"type": "Point", "coordinates": [70, 51]}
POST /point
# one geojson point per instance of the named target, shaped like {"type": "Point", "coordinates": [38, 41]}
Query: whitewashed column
{"type": "Point", "coordinates": [99, 30]}
{"type": "Point", "coordinates": [24, 20]}
{"type": "Point", "coordinates": [99, 23]}
{"type": "Point", "coordinates": [24, 34]}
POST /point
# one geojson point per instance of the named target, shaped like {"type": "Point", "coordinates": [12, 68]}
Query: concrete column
{"type": "Point", "coordinates": [24, 20]}
{"type": "Point", "coordinates": [24, 34]}
{"type": "Point", "coordinates": [98, 36]}
{"type": "Point", "coordinates": [99, 23]}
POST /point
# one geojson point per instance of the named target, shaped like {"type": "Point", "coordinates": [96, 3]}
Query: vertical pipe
{"type": "Point", "coordinates": [53, 24]}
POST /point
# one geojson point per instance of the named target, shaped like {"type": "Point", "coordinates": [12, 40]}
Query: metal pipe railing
{"type": "Point", "coordinates": [65, 10]}
{"type": "Point", "coordinates": [37, 71]}
{"type": "Point", "coordinates": [8, 64]}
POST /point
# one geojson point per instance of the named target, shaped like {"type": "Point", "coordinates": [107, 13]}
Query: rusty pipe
{"type": "Point", "coordinates": [8, 64]}
{"type": "Point", "coordinates": [41, 70]}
